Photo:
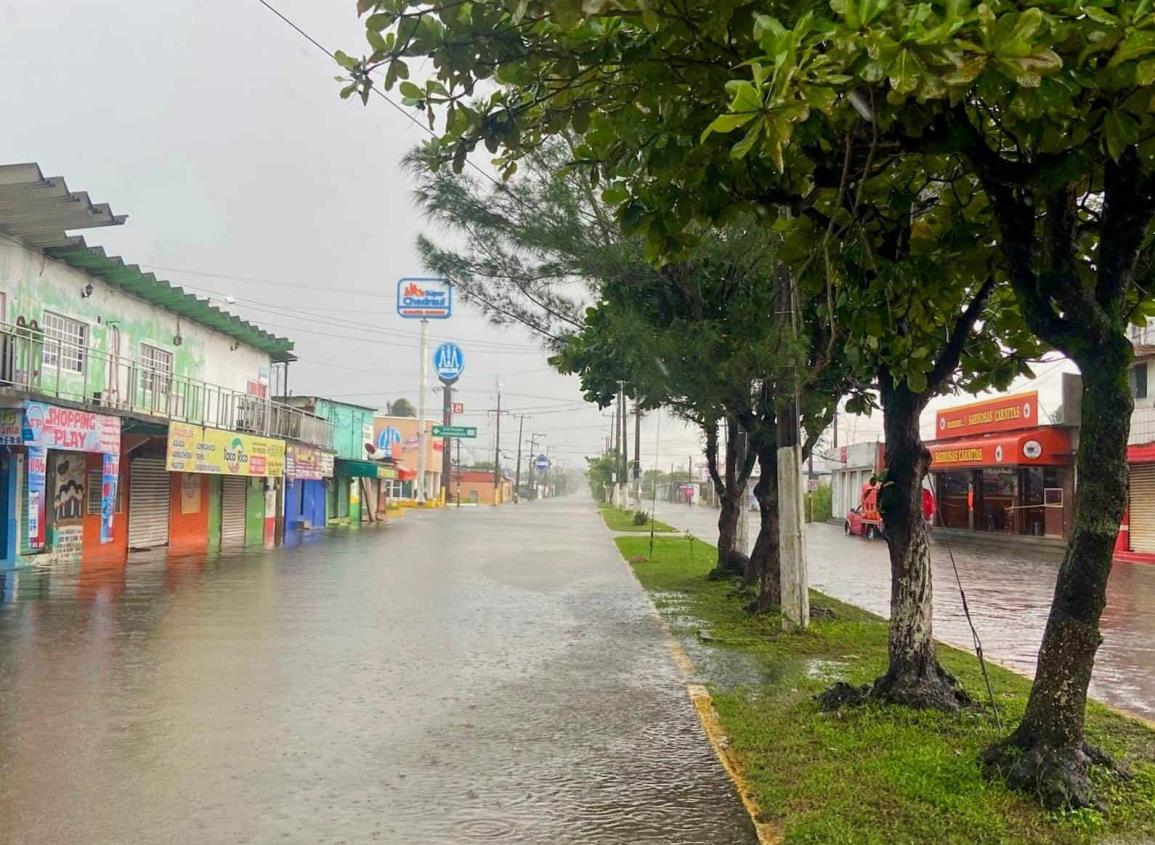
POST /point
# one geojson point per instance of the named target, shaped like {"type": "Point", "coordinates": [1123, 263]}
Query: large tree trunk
{"type": "Point", "coordinates": [765, 564]}
{"type": "Point", "coordinates": [914, 676]}
{"type": "Point", "coordinates": [730, 488]}
{"type": "Point", "coordinates": [1048, 752]}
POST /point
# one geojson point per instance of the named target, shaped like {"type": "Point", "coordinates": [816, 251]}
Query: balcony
{"type": "Point", "coordinates": [32, 363]}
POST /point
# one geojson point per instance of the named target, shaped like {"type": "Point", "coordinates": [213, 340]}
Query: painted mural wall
{"type": "Point", "coordinates": [31, 284]}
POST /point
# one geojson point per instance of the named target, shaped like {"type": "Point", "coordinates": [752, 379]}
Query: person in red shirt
{"type": "Point", "coordinates": [929, 506]}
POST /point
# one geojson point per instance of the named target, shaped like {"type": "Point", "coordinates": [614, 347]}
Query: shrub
{"type": "Point", "coordinates": [641, 517]}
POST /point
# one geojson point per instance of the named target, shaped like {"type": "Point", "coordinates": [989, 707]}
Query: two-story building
{"type": "Point", "coordinates": [401, 438]}
{"type": "Point", "coordinates": [133, 415]}
{"type": "Point", "coordinates": [350, 493]}
{"type": "Point", "coordinates": [1137, 538]}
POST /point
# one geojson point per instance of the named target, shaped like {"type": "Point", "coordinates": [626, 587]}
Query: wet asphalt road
{"type": "Point", "coordinates": [1008, 591]}
{"type": "Point", "coordinates": [454, 677]}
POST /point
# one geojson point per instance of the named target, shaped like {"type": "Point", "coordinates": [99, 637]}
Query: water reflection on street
{"type": "Point", "coordinates": [454, 677]}
{"type": "Point", "coordinates": [1008, 591]}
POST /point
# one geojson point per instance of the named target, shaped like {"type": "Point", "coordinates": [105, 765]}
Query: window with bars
{"type": "Point", "coordinates": [157, 368]}
{"type": "Point", "coordinates": [65, 342]}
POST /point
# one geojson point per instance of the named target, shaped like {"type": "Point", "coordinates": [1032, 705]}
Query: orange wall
{"type": "Point", "coordinates": [188, 532]}
{"type": "Point", "coordinates": [93, 550]}
{"type": "Point", "coordinates": [407, 427]}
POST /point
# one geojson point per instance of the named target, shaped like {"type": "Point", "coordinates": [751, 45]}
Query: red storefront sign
{"type": "Point", "coordinates": [1041, 447]}
{"type": "Point", "coordinates": [1006, 413]}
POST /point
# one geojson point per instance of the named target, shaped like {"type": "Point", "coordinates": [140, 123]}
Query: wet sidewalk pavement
{"type": "Point", "coordinates": [455, 677]}
{"type": "Point", "coordinates": [1008, 592]}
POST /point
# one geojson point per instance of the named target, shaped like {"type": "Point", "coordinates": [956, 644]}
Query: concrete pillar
{"type": "Point", "coordinates": [795, 578]}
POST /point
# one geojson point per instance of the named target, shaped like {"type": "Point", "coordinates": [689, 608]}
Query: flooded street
{"type": "Point", "coordinates": [456, 676]}
{"type": "Point", "coordinates": [1008, 592]}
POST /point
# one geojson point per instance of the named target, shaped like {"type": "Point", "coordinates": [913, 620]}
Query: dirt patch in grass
{"type": "Point", "coordinates": [875, 774]}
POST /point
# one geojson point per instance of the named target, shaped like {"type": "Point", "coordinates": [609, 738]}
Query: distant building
{"type": "Point", "coordinates": [476, 486]}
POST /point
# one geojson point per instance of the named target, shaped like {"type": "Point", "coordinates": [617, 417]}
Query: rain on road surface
{"type": "Point", "coordinates": [1008, 592]}
{"type": "Point", "coordinates": [454, 677]}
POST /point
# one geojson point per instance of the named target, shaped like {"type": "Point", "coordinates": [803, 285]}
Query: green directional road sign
{"type": "Point", "coordinates": [466, 431]}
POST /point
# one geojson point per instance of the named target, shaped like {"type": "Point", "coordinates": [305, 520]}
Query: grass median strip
{"type": "Point", "coordinates": [619, 519]}
{"type": "Point", "coordinates": [872, 774]}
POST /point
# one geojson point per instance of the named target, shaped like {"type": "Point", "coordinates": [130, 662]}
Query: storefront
{"type": "Point", "coordinates": [308, 476]}
{"type": "Point", "coordinates": [249, 469]}
{"type": "Point", "coordinates": [62, 474]}
{"type": "Point", "coordinates": [1137, 534]}
{"type": "Point", "coordinates": [995, 471]}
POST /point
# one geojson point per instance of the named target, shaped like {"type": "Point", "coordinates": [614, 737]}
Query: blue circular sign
{"type": "Point", "coordinates": [387, 437]}
{"type": "Point", "coordinates": [448, 362]}
{"type": "Point", "coordinates": [541, 462]}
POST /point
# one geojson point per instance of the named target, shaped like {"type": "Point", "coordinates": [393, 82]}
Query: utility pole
{"type": "Point", "coordinates": [532, 455]}
{"type": "Point", "coordinates": [446, 443]}
{"type": "Point", "coordinates": [517, 476]}
{"type": "Point", "coordinates": [617, 449]}
{"type": "Point", "coordinates": [637, 456]}
{"type": "Point", "coordinates": [792, 536]}
{"type": "Point", "coordinates": [459, 472]}
{"type": "Point", "coordinates": [497, 449]}
{"type": "Point", "coordinates": [422, 440]}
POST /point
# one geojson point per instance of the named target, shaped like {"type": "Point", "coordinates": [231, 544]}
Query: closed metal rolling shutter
{"type": "Point", "coordinates": [234, 493]}
{"type": "Point", "coordinates": [1143, 508]}
{"type": "Point", "coordinates": [148, 504]}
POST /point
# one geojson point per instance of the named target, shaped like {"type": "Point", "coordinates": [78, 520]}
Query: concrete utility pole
{"type": "Point", "coordinates": [637, 485]}
{"type": "Point", "coordinates": [497, 449]}
{"type": "Point", "coordinates": [617, 450]}
{"type": "Point", "coordinates": [742, 537]}
{"type": "Point", "coordinates": [446, 443]}
{"type": "Point", "coordinates": [532, 455]}
{"type": "Point", "coordinates": [421, 438]}
{"type": "Point", "coordinates": [792, 542]}
{"type": "Point", "coordinates": [625, 476]}
{"type": "Point", "coordinates": [517, 475]}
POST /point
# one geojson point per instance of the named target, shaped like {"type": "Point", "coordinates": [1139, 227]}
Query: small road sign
{"type": "Point", "coordinates": [459, 407]}
{"type": "Point", "coordinates": [463, 431]}
{"type": "Point", "coordinates": [541, 463]}
{"type": "Point", "coordinates": [448, 362]}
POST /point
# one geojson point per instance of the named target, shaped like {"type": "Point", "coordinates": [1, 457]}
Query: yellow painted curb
{"type": "Point", "coordinates": [768, 833]}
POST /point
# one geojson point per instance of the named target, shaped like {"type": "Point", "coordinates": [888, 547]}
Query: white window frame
{"type": "Point", "coordinates": [67, 353]}
{"type": "Point", "coordinates": [155, 378]}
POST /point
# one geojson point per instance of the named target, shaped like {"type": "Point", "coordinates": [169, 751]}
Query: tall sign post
{"type": "Point", "coordinates": [448, 363]}
{"type": "Point", "coordinates": [423, 299]}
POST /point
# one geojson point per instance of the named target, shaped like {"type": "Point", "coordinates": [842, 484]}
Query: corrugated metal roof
{"type": "Point", "coordinates": [39, 211]}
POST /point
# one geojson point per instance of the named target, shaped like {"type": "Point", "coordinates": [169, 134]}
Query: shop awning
{"type": "Point", "coordinates": [406, 474]}
{"type": "Point", "coordinates": [1033, 447]}
{"type": "Point", "coordinates": [357, 469]}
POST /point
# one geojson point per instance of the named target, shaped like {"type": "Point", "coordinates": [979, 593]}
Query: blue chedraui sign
{"type": "Point", "coordinates": [388, 436]}
{"type": "Point", "coordinates": [541, 462]}
{"type": "Point", "coordinates": [448, 362]}
{"type": "Point", "coordinates": [424, 299]}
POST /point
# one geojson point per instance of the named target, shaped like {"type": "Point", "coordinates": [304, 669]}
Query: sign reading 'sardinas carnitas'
{"type": "Point", "coordinates": [1004, 413]}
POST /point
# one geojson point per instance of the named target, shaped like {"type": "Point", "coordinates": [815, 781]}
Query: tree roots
{"type": "Point", "coordinates": [935, 689]}
{"type": "Point", "coordinates": [1058, 777]}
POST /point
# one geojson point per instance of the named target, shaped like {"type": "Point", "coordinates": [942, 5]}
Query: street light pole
{"type": "Point", "coordinates": [421, 439]}
{"type": "Point", "coordinates": [497, 449]}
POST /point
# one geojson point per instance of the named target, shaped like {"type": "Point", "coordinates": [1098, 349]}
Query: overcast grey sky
{"type": "Point", "coordinates": [219, 131]}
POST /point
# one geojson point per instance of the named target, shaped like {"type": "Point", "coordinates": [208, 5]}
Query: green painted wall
{"type": "Point", "coordinates": [255, 514]}
{"type": "Point", "coordinates": [348, 423]}
{"type": "Point", "coordinates": [214, 528]}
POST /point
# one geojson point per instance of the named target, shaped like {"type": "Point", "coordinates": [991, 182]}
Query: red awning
{"type": "Point", "coordinates": [403, 472]}
{"type": "Point", "coordinates": [1039, 446]}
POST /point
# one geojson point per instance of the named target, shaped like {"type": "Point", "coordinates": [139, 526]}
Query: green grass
{"type": "Point", "coordinates": [873, 774]}
{"type": "Point", "coordinates": [619, 519]}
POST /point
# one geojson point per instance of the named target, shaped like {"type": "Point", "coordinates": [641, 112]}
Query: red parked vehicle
{"type": "Point", "coordinates": [866, 521]}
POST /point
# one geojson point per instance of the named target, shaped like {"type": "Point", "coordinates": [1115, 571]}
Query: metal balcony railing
{"type": "Point", "coordinates": [31, 362]}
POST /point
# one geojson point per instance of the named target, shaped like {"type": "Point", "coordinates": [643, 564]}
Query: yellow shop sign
{"type": "Point", "coordinates": [192, 448]}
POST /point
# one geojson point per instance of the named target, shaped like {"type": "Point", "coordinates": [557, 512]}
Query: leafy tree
{"type": "Point", "coordinates": [1045, 109]}
{"type": "Point", "coordinates": [600, 473]}
{"type": "Point", "coordinates": [402, 408]}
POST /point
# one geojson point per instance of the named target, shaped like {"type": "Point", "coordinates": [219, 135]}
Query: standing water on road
{"type": "Point", "coordinates": [455, 677]}
{"type": "Point", "coordinates": [1008, 592]}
